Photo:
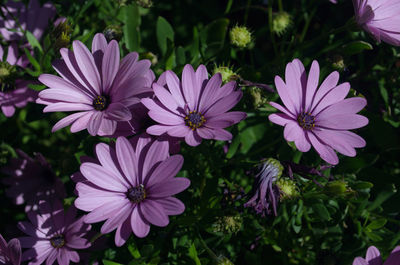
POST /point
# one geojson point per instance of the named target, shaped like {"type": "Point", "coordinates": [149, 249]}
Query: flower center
{"type": "Point", "coordinates": [57, 241]}
{"type": "Point", "coordinates": [306, 120]}
{"type": "Point", "coordinates": [136, 194]}
{"type": "Point", "coordinates": [100, 103]}
{"type": "Point", "coordinates": [194, 120]}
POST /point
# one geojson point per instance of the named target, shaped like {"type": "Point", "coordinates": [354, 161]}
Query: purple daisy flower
{"type": "Point", "coordinates": [14, 92]}
{"type": "Point", "coordinates": [10, 253]}
{"type": "Point", "coordinates": [380, 19]}
{"type": "Point", "coordinates": [195, 107]}
{"type": "Point", "coordinates": [318, 117]}
{"type": "Point", "coordinates": [131, 188]}
{"type": "Point", "coordinates": [373, 257]}
{"type": "Point", "coordinates": [33, 18]}
{"type": "Point", "coordinates": [97, 85]}
{"type": "Point", "coordinates": [31, 180]}
{"type": "Point", "coordinates": [265, 192]}
{"type": "Point", "coordinates": [53, 235]}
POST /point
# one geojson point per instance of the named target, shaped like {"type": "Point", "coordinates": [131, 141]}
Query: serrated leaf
{"type": "Point", "coordinates": [164, 32]}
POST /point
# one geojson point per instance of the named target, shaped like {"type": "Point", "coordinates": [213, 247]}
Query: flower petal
{"type": "Point", "coordinates": [168, 188]}
{"type": "Point", "coordinates": [102, 177]}
{"type": "Point", "coordinates": [154, 213]}
{"type": "Point", "coordinates": [126, 156]}
{"type": "Point", "coordinates": [110, 65]}
{"type": "Point", "coordinates": [171, 205]}
{"type": "Point", "coordinates": [325, 151]}
{"type": "Point", "coordinates": [166, 169]}
{"type": "Point", "coordinates": [139, 226]}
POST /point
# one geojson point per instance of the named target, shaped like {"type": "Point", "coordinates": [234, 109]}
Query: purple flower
{"type": "Point", "coordinates": [31, 180]}
{"type": "Point", "coordinates": [10, 253]}
{"type": "Point", "coordinates": [373, 257]}
{"type": "Point", "coordinates": [380, 19]}
{"type": "Point", "coordinates": [131, 188]}
{"type": "Point", "coordinates": [195, 107]}
{"type": "Point", "coordinates": [318, 117]}
{"type": "Point", "coordinates": [53, 234]}
{"type": "Point", "coordinates": [97, 85]}
{"type": "Point", "coordinates": [14, 92]}
{"type": "Point", "coordinates": [33, 18]}
{"type": "Point", "coordinates": [265, 192]}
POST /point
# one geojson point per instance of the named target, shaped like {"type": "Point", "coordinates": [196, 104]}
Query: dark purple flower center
{"type": "Point", "coordinates": [100, 103]}
{"type": "Point", "coordinates": [57, 241]}
{"type": "Point", "coordinates": [194, 120]}
{"type": "Point", "coordinates": [306, 120]}
{"type": "Point", "coordinates": [136, 194]}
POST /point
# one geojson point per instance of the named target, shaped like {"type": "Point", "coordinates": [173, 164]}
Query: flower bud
{"type": "Point", "coordinates": [113, 32]}
{"type": "Point", "coordinates": [149, 56]}
{"type": "Point", "coordinates": [227, 73]}
{"type": "Point", "coordinates": [338, 63]}
{"type": "Point", "coordinates": [258, 96]}
{"type": "Point", "coordinates": [222, 260]}
{"type": "Point", "coordinates": [287, 188]}
{"type": "Point", "coordinates": [61, 34]}
{"type": "Point", "coordinates": [337, 187]}
{"type": "Point", "coordinates": [281, 22]}
{"type": "Point", "coordinates": [8, 74]}
{"type": "Point", "coordinates": [228, 224]}
{"type": "Point", "coordinates": [144, 3]}
{"type": "Point", "coordinates": [240, 36]}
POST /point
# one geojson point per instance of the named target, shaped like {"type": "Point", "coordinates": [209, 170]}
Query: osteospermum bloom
{"type": "Point", "coordinates": [34, 18]}
{"type": "Point", "coordinates": [53, 235]}
{"type": "Point", "coordinates": [96, 85]}
{"type": "Point", "coordinates": [320, 117]}
{"type": "Point", "coordinates": [373, 257]}
{"type": "Point", "coordinates": [31, 180]}
{"type": "Point", "coordinates": [10, 253]}
{"type": "Point", "coordinates": [195, 107]}
{"type": "Point", "coordinates": [131, 188]}
{"type": "Point", "coordinates": [380, 19]}
{"type": "Point", "coordinates": [265, 192]}
{"type": "Point", "coordinates": [14, 92]}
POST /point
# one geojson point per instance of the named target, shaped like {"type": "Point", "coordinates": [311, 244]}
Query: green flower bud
{"type": "Point", "coordinates": [8, 74]}
{"type": "Point", "coordinates": [258, 96]}
{"type": "Point", "coordinates": [281, 22]}
{"type": "Point", "coordinates": [228, 224]}
{"type": "Point", "coordinates": [276, 164]}
{"type": "Point", "coordinates": [61, 35]}
{"type": "Point", "coordinates": [288, 188]}
{"type": "Point", "coordinates": [227, 73]}
{"type": "Point", "coordinates": [338, 63]}
{"type": "Point", "coordinates": [144, 3]}
{"type": "Point", "coordinates": [149, 56]}
{"type": "Point", "coordinates": [337, 187]}
{"type": "Point", "coordinates": [222, 260]}
{"type": "Point", "coordinates": [240, 36]}
{"type": "Point", "coordinates": [113, 32]}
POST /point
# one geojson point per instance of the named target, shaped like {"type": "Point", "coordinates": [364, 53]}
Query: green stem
{"type": "Point", "coordinates": [246, 13]}
{"type": "Point", "coordinates": [209, 251]}
{"type": "Point", "coordinates": [280, 5]}
{"type": "Point", "coordinates": [270, 30]}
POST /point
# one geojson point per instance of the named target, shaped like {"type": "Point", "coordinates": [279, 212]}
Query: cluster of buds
{"type": "Point", "coordinates": [228, 224]}
{"type": "Point", "coordinates": [61, 34]}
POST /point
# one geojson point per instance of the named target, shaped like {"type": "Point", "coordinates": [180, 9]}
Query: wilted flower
{"type": "Point", "coordinates": [281, 22]}
{"type": "Point", "coordinates": [195, 107]}
{"type": "Point", "coordinates": [380, 19]}
{"type": "Point", "coordinates": [240, 36]}
{"type": "Point", "coordinates": [373, 257]}
{"type": "Point", "coordinates": [14, 92]}
{"type": "Point", "coordinates": [33, 18]}
{"type": "Point", "coordinates": [10, 253]}
{"type": "Point", "coordinates": [318, 117]}
{"type": "Point", "coordinates": [53, 235]}
{"type": "Point", "coordinates": [265, 192]}
{"type": "Point", "coordinates": [31, 180]}
{"type": "Point", "coordinates": [131, 188]}
{"type": "Point", "coordinates": [97, 85]}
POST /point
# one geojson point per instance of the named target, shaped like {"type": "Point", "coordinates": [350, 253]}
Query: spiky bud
{"type": "Point", "coordinates": [144, 3]}
{"type": "Point", "coordinates": [61, 34]}
{"type": "Point", "coordinates": [281, 21]}
{"type": "Point", "coordinates": [240, 36]}
{"type": "Point", "coordinates": [226, 72]}
{"type": "Point", "coordinates": [287, 188]}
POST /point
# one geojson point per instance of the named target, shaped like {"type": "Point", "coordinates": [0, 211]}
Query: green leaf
{"type": "Point", "coordinates": [180, 55]}
{"type": "Point", "coordinates": [213, 36]}
{"type": "Point", "coordinates": [381, 198]}
{"type": "Point", "coordinates": [356, 47]}
{"type": "Point", "coordinates": [362, 185]}
{"type": "Point", "coordinates": [376, 224]}
{"type": "Point", "coordinates": [373, 236]}
{"type": "Point", "coordinates": [193, 254]}
{"type": "Point", "coordinates": [321, 211]}
{"type": "Point", "coordinates": [131, 19]}
{"type": "Point", "coordinates": [109, 262]}
{"type": "Point", "coordinates": [33, 41]}
{"type": "Point", "coordinates": [164, 31]}
{"type": "Point", "coordinates": [32, 60]}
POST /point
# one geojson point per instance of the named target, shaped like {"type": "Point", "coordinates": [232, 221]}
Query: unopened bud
{"type": "Point", "coordinates": [337, 187]}
{"type": "Point", "coordinates": [338, 63]}
{"type": "Point", "coordinates": [281, 22]}
{"type": "Point", "coordinates": [61, 34]}
{"type": "Point", "coordinates": [8, 74]}
{"type": "Point", "coordinates": [258, 96]}
{"type": "Point", "coordinates": [149, 56]}
{"type": "Point", "coordinates": [226, 72]}
{"type": "Point", "coordinates": [144, 3]}
{"type": "Point", "coordinates": [222, 260]}
{"type": "Point", "coordinates": [240, 36]}
{"type": "Point", "coordinates": [287, 188]}
{"type": "Point", "coordinates": [113, 32]}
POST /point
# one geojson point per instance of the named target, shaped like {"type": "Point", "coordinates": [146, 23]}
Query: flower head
{"type": "Point", "coordinates": [265, 192]}
{"type": "Point", "coordinates": [53, 235]}
{"type": "Point", "coordinates": [380, 19]}
{"type": "Point", "coordinates": [281, 21]}
{"type": "Point", "coordinates": [34, 18]}
{"type": "Point", "coordinates": [97, 85]}
{"type": "Point", "coordinates": [318, 117]}
{"type": "Point", "coordinates": [195, 107]}
{"type": "Point", "coordinates": [10, 253]}
{"type": "Point", "coordinates": [240, 36]}
{"type": "Point", "coordinates": [373, 257]}
{"type": "Point", "coordinates": [131, 187]}
{"type": "Point", "coordinates": [14, 92]}
{"type": "Point", "coordinates": [31, 180]}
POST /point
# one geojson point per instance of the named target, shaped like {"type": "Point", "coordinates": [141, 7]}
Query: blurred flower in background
{"type": "Point", "coordinates": [10, 253]}
{"type": "Point", "coordinates": [373, 257]}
